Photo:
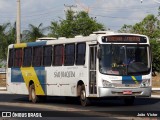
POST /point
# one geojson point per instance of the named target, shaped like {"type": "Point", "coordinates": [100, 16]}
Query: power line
{"type": "Point", "coordinates": [133, 18]}
{"type": "Point", "coordinates": [40, 14]}
{"type": "Point", "coordinates": [70, 6]}
{"type": "Point", "coordinates": [126, 9]}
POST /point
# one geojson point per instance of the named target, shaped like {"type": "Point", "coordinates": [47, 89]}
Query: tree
{"type": "Point", "coordinates": [7, 37]}
{"type": "Point", "coordinates": [148, 26]}
{"type": "Point", "coordinates": [126, 29]}
{"type": "Point", "coordinates": [74, 24]}
{"type": "Point", "coordinates": [155, 55]}
{"type": "Point", "coordinates": [33, 33]}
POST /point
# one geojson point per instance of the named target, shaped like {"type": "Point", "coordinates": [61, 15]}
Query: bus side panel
{"type": "Point", "coordinates": [19, 79]}
{"type": "Point", "coordinates": [37, 75]}
{"type": "Point", "coordinates": [16, 85]}
{"type": "Point", "coordinates": [62, 81]}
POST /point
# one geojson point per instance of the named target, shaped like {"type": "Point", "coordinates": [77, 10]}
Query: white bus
{"type": "Point", "coordinates": [103, 64]}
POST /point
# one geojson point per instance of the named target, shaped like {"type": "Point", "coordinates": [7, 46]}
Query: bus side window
{"type": "Point", "coordinates": [11, 58]}
{"type": "Point", "coordinates": [80, 53]}
{"type": "Point", "coordinates": [27, 57]}
{"type": "Point", "coordinates": [47, 55]}
{"type": "Point", "coordinates": [58, 54]}
{"type": "Point", "coordinates": [37, 56]}
{"type": "Point", "coordinates": [18, 57]}
{"type": "Point", "coordinates": [69, 54]}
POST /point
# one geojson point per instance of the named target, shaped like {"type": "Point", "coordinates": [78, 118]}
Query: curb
{"type": "Point", "coordinates": [155, 89]}
{"type": "Point", "coordinates": [3, 88]}
{"type": "Point", "coordinates": [4, 92]}
{"type": "Point", "coordinates": [155, 96]}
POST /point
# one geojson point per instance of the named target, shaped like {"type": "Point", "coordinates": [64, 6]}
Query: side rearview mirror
{"type": "Point", "coordinates": [99, 54]}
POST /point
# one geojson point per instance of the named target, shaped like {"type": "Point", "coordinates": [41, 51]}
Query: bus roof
{"type": "Point", "coordinates": [63, 40]}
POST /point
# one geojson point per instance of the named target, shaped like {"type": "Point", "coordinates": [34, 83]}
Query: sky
{"type": "Point", "coordinates": [112, 13]}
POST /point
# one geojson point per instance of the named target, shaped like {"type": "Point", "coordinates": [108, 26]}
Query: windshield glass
{"type": "Point", "coordinates": [124, 59]}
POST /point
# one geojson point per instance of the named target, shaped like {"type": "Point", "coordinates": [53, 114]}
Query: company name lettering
{"type": "Point", "coordinates": [64, 74]}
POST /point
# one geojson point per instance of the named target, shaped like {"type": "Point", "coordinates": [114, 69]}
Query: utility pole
{"type": "Point", "coordinates": [18, 21]}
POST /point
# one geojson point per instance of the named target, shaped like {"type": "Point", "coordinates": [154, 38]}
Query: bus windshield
{"type": "Point", "coordinates": [124, 59]}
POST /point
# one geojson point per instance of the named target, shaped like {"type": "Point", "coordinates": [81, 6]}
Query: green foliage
{"type": "Point", "coordinates": [148, 26]}
{"type": "Point", "coordinates": [126, 29]}
{"type": "Point", "coordinates": [7, 37]}
{"type": "Point", "coordinates": [75, 24]}
{"type": "Point", "coordinates": [155, 55]}
{"type": "Point", "coordinates": [33, 33]}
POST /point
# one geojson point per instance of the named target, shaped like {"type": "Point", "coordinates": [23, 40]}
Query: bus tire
{"type": "Point", "coordinates": [83, 99]}
{"type": "Point", "coordinates": [129, 100]}
{"type": "Point", "coordinates": [32, 94]}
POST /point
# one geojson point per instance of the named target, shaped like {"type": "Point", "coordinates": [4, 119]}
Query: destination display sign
{"type": "Point", "coordinates": [124, 39]}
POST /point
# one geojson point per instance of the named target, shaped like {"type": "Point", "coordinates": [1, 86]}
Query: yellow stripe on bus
{"type": "Point", "coordinates": [133, 77]}
{"type": "Point", "coordinates": [28, 74]}
{"type": "Point", "coordinates": [20, 45]}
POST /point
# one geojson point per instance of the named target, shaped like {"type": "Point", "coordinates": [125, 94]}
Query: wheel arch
{"type": "Point", "coordinates": [30, 83]}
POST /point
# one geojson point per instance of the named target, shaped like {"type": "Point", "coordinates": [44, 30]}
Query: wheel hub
{"type": "Point", "coordinates": [83, 95]}
{"type": "Point", "coordinates": [33, 94]}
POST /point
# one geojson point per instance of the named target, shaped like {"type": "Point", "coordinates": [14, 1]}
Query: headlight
{"type": "Point", "coordinates": [145, 83]}
{"type": "Point", "coordinates": [107, 84]}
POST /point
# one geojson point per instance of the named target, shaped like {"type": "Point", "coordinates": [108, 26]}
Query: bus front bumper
{"type": "Point", "coordinates": [112, 92]}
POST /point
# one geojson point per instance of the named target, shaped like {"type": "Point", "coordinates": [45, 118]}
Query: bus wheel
{"type": "Point", "coordinates": [83, 99]}
{"type": "Point", "coordinates": [129, 100]}
{"type": "Point", "coordinates": [32, 94]}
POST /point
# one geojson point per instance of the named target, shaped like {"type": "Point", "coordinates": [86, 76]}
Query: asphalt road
{"type": "Point", "coordinates": [58, 107]}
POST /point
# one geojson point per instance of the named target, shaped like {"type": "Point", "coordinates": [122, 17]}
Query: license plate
{"type": "Point", "coordinates": [127, 92]}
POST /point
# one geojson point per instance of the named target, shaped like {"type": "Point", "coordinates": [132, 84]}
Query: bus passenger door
{"type": "Point", "coordinates": [92, 70]}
